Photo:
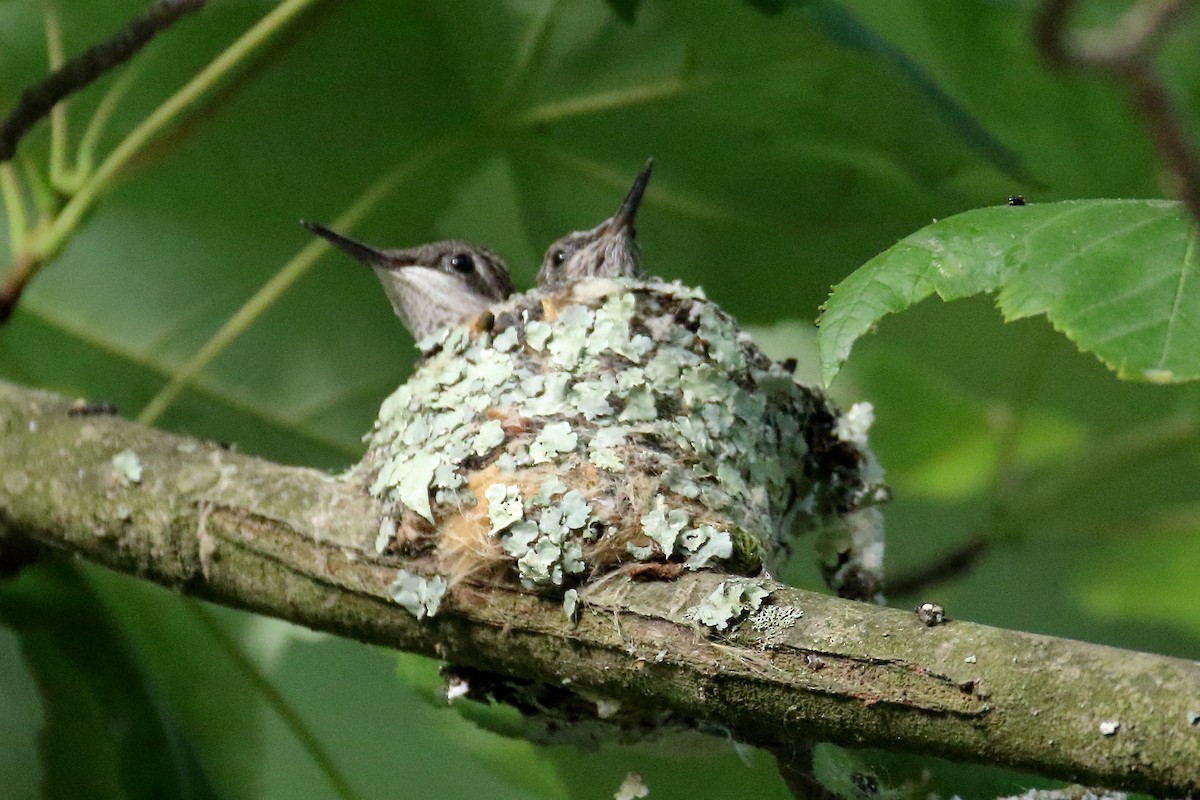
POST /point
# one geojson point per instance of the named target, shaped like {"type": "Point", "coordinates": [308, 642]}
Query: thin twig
{"type": "Point", "coordinates": [1126, 52]}
{"type": "Point", "coordinates": [37, 101]}
{"type": "Point", "coordinates": [954, 562]}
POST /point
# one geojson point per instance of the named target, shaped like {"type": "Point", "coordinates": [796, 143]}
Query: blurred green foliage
{"type": "Point", "coordinates": [791, 147]}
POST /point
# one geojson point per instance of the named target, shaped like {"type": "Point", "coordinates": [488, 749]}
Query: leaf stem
{"type": "Point", "coordinates": [58, 114]}
{"type": "Point", "coordinates": [287, 275]}
{"type": "Point", "coordinates": [14, 209]}
{"type": "Point", "coordinates": [531, 44]}
{"type": "Point", "coordinates": [624, 97]}
{"type": "Point", "coordinates": [45, 199]}
{"type": "Point", "coordinates": [168, 111]}
{"type": "Point", "coordinates": [85, 157]}
{"type": "Point", "coordinates": [276, 701]}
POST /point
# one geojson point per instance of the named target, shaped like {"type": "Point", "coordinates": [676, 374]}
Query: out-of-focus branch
{"type": "Point", "coordinates": [37, 101]}
{"type": "Point", "coordinates": [956, 561]}
{"type": "Point", "coordinates": [297, 544]}
{"type": "Point", "coordinates": [1127, 52]}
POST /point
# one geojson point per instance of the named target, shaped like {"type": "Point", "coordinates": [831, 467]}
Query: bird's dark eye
{"type": "Point", "coordinates": [558, 257]}
{"type": "Point", "coordinates": [462, 262]}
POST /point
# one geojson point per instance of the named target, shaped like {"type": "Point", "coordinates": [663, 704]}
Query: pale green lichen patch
{"type": "Point", "coordinates": [731, 600]}
{"type": "Point", "coordinates": [555, 438]}
{"type": "Point", "coordinates": [551, 486]}
{"type": "Point", "coordinates": [420, 596]}
{"type": "Point", "coordinates": [606, 458]}
{"type": "Point", "coordinates": [537, 333]}
{"type": "Point", "coordinates": [387, 533]}
{"type": "Point", "coordinates": [491, 434]}
{"type": "Point", "coordinates": [664, 526]}
{"type": "Point", "coordinates": [774, 624]}
{"type": "Point", "coordinates": [548, 546]}
{"type": "Point", "coordinates": [506, 340]}
{"type": "Point", "coordinates": [412, 478]}
{"type": "Point", "coordinates": [853, 426]}
{"type": "Point", "coordinates": [667, 433]}
{"type": "Point", "coordinates": [504, 505]}
{"type": "Point", "coordinates": [639, 406]}
{"type": "Point", "coordinates": [128, 467]}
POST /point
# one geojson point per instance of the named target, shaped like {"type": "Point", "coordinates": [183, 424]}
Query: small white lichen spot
{"type": "Point", "coordinates": [570, 600]}
{"type": "Point", "coordinates": [1109, 727]}
{"type": "Point", "coordinates": [551, 486]}
{"type": "Point", "coordinates": [506, 341]}
{"type": "Point", "coordinates": [854, 425]}
{"type": "Point", "coordinates": [387, 532]}
{"type": "Point", "coordinates": [774, 623]}
{"type": "Point", "coordinates": [632, 788]}
{"type": "Point", "coordinates": [664, 526]}
{"type": "Point", "coordinates": [412, 482]}
{"type": "Point", "coordinates": [555, 438]}
{"type": "Point", "coordinates": [575, 509]}
{"type": "Point", "coordinates": [433, 341]}
{"type": "Point", "coordinates": [536, 334]}
{"type": "Point", "coordinates": [706, 543]}
{"type": "Point", "coordinates": [606, 458]}
{"type": "Point", "coordinates": [607, 708]}
{"type": "Point", "coordinates": [729, 601]}
{"type": "Point", "coordinates": [420, 596]}
{"type": "Point", "coordinates": [639, 406]}
{"type": "Point", "coordinates": [491, 434]}
{"type": "Point", "coordinates": [456, 689]}
{"type": "Point", "coordinates": [504, 505]}
{"type": "Point", "coordinates": [128, 467]}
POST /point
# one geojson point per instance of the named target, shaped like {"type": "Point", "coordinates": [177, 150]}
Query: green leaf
{"type": "Point", "coordinates": [206, 685]}
{"type": "Point", "coordinates": [1117, 277]}
{"type": "Point", "coordinates": [846, 29]}
{"type": "Point", "coordinates": [1157, 591]}
{"type": "Point", "coordinates": [108, 733]}
{"type": "Point", "coordinates": [625, 9]}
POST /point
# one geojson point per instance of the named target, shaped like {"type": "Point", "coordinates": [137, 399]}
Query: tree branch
{"type": "Point", "coordinates": [297, 544]}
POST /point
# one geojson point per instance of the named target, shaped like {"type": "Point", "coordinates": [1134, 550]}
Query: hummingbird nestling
{"type": "Point", "coordinates": [609, 250]}
{"type": "Point", "coordinates": [433, 285]}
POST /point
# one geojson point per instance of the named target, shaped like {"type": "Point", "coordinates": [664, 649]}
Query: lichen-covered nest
{"type": "Point", "coordinates": [564, 434]}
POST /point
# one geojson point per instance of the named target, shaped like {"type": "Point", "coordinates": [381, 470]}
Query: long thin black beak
{"type": "Point", "coordinates": [358, 250]}
{"type": "Point", "coordinates": [629, 208]}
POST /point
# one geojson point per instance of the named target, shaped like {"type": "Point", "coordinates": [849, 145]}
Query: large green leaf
{"type": "Point", "coordinates": [108, 734]}
{"type": "Point", "coordinates": [1118, 277]}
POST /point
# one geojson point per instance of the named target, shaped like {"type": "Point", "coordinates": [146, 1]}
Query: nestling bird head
{"type": "Point", "coordinates": [610, 250]}
{"type": "Point", "coordinates": [432, 285]}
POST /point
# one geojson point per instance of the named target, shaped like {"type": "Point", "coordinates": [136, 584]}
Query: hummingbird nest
{"type": "Point", "coordinates": [615, 424]}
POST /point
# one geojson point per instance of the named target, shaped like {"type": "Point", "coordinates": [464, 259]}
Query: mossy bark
{"type": "Point", "coordinates": [298, 544]}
